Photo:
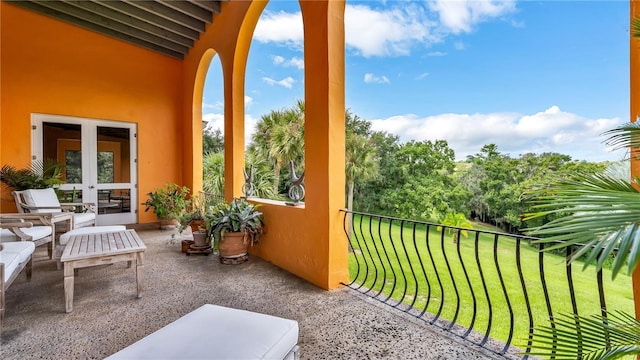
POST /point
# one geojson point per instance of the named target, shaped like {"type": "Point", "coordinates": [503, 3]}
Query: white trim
{"type": "Point", "coordinates": [89, 173]}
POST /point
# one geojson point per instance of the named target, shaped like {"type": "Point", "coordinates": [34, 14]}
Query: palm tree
{"type": "Point", "coordinates": [600, 213]}
{"type": "Point", "coordinates": [459, 221]}
{"type": "Point", "coordinates": [213, 171]}
{"type": "Point", "coordinates": [279, 136]}
{"type": "Point", "coordinates": [263, 176]}
{"type": "Point", "coordinates": [360, 164]}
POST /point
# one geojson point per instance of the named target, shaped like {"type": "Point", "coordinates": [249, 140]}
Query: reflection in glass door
{"type": "Point", "coordinates": [100, 163]}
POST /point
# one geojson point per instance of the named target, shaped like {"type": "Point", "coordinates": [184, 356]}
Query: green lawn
{"type": "Point", "coordinates": [410, 282]}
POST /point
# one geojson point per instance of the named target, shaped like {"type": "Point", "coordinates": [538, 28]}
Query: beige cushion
{"type": "Point", "coordinates": [36, 233]}
{"type": "Point", "coordinates": [42, 198]}
{"type": "Point", "coordinates": [11, 262]}
{"type": "Point", "coordinates": [23, 249]}
{"type": "Point", "coordinates": [217, 332]}
{"type": "Point", "coordinates": [81, 218]}
{"type": "Point", "coordinates": [14, 254]}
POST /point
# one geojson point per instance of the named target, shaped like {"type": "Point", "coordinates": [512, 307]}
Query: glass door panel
{"type": "Point", "coordinates": [100, 163]}
{"type": "Point", "coordinates": [113, 177]}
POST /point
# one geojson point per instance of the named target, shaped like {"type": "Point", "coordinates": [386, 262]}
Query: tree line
{"type": "Point", "coordinates": [418, 180]}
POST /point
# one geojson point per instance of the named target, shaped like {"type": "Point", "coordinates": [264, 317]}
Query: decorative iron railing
{"type": "Point", "coordinates": [487, 287]}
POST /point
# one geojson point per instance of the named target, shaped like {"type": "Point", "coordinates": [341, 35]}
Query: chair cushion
{"type": "Point", "coordinates": [81, 218]}
{"type": "Point", "coordinates": [64, 238]}
{"type": "Point", "coordinates": [36, 233]}
{"type": "Point", "coordinates": [23, 249]}
{"type": "Point", "coordinates": [11, 262]}
{"type": "Point", "coordinates": [41, 198]}
{"type": "Point", "coordinates": [217, 332]}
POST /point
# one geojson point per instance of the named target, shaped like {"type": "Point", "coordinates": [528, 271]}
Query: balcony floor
{"type": "Point", "coordinates": [107, 317]}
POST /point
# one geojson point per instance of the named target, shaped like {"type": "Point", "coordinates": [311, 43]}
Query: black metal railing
{"type": "Point", "coordinates": [487, 287]}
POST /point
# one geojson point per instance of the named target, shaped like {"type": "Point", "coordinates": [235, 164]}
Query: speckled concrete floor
{"type": "Point", "coordinates": [107, 316]}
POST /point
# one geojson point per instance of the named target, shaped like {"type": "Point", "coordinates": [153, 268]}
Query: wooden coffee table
{"type": "Point", "coordinates": [98, 249]}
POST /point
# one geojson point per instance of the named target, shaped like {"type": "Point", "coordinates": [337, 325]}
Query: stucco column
{"type": "Point", "coordinates": [325, 131]}
{"type": "Point", "coordinates": [233, 124]}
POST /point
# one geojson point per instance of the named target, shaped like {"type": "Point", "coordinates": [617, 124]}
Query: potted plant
{"type": "Point", "coordinates": [235, 226]}
{"type": "Point", "coordinates": [168, 203]}
{"type": "Point", "coordinates": [39, 175]}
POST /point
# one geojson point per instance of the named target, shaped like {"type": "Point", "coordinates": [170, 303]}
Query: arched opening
{"type": "Point", "coordinates": [274, 105]}
{"type": "Point", "coordinates": [212, 107]}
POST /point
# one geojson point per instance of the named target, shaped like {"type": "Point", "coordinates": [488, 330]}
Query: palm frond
{"type": "Point", "coordinates": [571, 336]}
{"type": "Point", "coordinates": [600, 212]}
{"type": "Point", "coordinates": [624, 136]}
{"type": "Point", "coordinates": [635, 27]}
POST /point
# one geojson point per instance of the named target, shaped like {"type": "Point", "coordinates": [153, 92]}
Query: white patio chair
{"type": "Point", "coordinates": [46, 201]}
{"type": "Point", "coordinates": [14, 257]}
{"type": "Point", "coordinates": [12, 230]}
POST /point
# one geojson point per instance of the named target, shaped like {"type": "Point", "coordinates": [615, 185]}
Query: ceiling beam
{"type": "Point", "coordinates": [167, 26]}
{"type": "Point", "coordinates": [37, 7]}
{"type": "Point", "coordinates": [189, 9]}
{"type": "Point", "coordinates": [169, 14]}
{"type": "Point", "coordinates": [133, 22]}
{"type": "Point", "coordinates": [150, 18]}
{"type": "Point", "coordinates": [211, 5]}
{"type": "Point", "coordinates": [97, 19]}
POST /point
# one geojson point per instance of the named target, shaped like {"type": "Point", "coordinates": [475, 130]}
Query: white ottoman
{"type": "Point", "coordinates": [216, 332]}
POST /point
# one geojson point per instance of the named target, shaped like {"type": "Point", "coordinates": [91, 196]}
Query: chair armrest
{"type": "Point", "coordinates": [16, 228]}
{"type": "Point", "coordinates": [16, 224]}
{"type": "Point", "coordinates": [29, 207]}
{"type": "Point", "coordinates": [86, 205]}
{"type": "Point", "coordinates": [78, 204]}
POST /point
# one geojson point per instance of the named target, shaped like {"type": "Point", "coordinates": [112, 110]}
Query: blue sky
{"type": "Point", "coordinates": [529, 76]}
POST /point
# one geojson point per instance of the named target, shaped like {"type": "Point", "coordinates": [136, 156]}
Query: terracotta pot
{"type": "Point", "coordinates": [196, 225]}
{"type": "Point", "coordinates": [168, 224]}
{"type": "Point", "coordinates": [233, 245]}
{"type": "Point", "coordinates": [200, 238]}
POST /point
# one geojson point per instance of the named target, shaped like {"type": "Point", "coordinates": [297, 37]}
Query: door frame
{"type": "Point", "coordinates": [89, 148]}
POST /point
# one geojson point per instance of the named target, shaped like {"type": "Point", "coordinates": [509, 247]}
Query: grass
{"type": "Point", "coordinates": [401, 276]}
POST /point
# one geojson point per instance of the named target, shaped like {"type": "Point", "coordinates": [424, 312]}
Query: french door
{"type": "Point", "coordinates": [100, 159]}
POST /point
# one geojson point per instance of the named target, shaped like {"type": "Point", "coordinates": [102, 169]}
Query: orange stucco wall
{"type": "Point", "coordinates": [307, 241]}
{"type": "Point", "coordinates": [48, 66]}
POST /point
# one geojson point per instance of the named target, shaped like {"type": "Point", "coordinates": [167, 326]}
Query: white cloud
{"type": "Point", "coordinates": [280, 27]}
{"type": "Point", "coordinates": [369, 78]}
{"type": "Point", "coordinates": [218, 105]}
{"type": "Point", "coordinates": [461, 15]}
{"type": "Point", "coordinates": [296, 62]}
{"type": "Point", "coordinates": [277, 60]}
{"type": "Point", "coordinates": [391, 31]}
{"type": "Point", "coordinates": [436, 53]}
{"type": "Point", "coordinates": [372, 32]}
{"type": "Point", "coordinates": [216, 121]}
{"type": "Point", "coordinates": [286, 82]}
{"type": "Point", "coordinates": [248, 100]}
{"type": "Point", "coordinates": [551, 130]}
{"type": "Point", "coordinates": [293, 62]}
{"type": "Point", "coordinates": [422, 76]}
{"type": "Point", "coordinates": [459, 45]}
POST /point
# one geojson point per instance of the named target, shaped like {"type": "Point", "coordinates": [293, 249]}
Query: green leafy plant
{"type": "Point", "coordinates": [169, 202]}
{"type": "Point", "coordinates": [458, 220]}
{"type": "Point", "coordinates": [199, 206]}
{"type": "Point", "coordinates": [40, 175]}
{"type": "Point", "coordinates": [599, 214]}
{"type": "Point", "coordinates": [236, 216]}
